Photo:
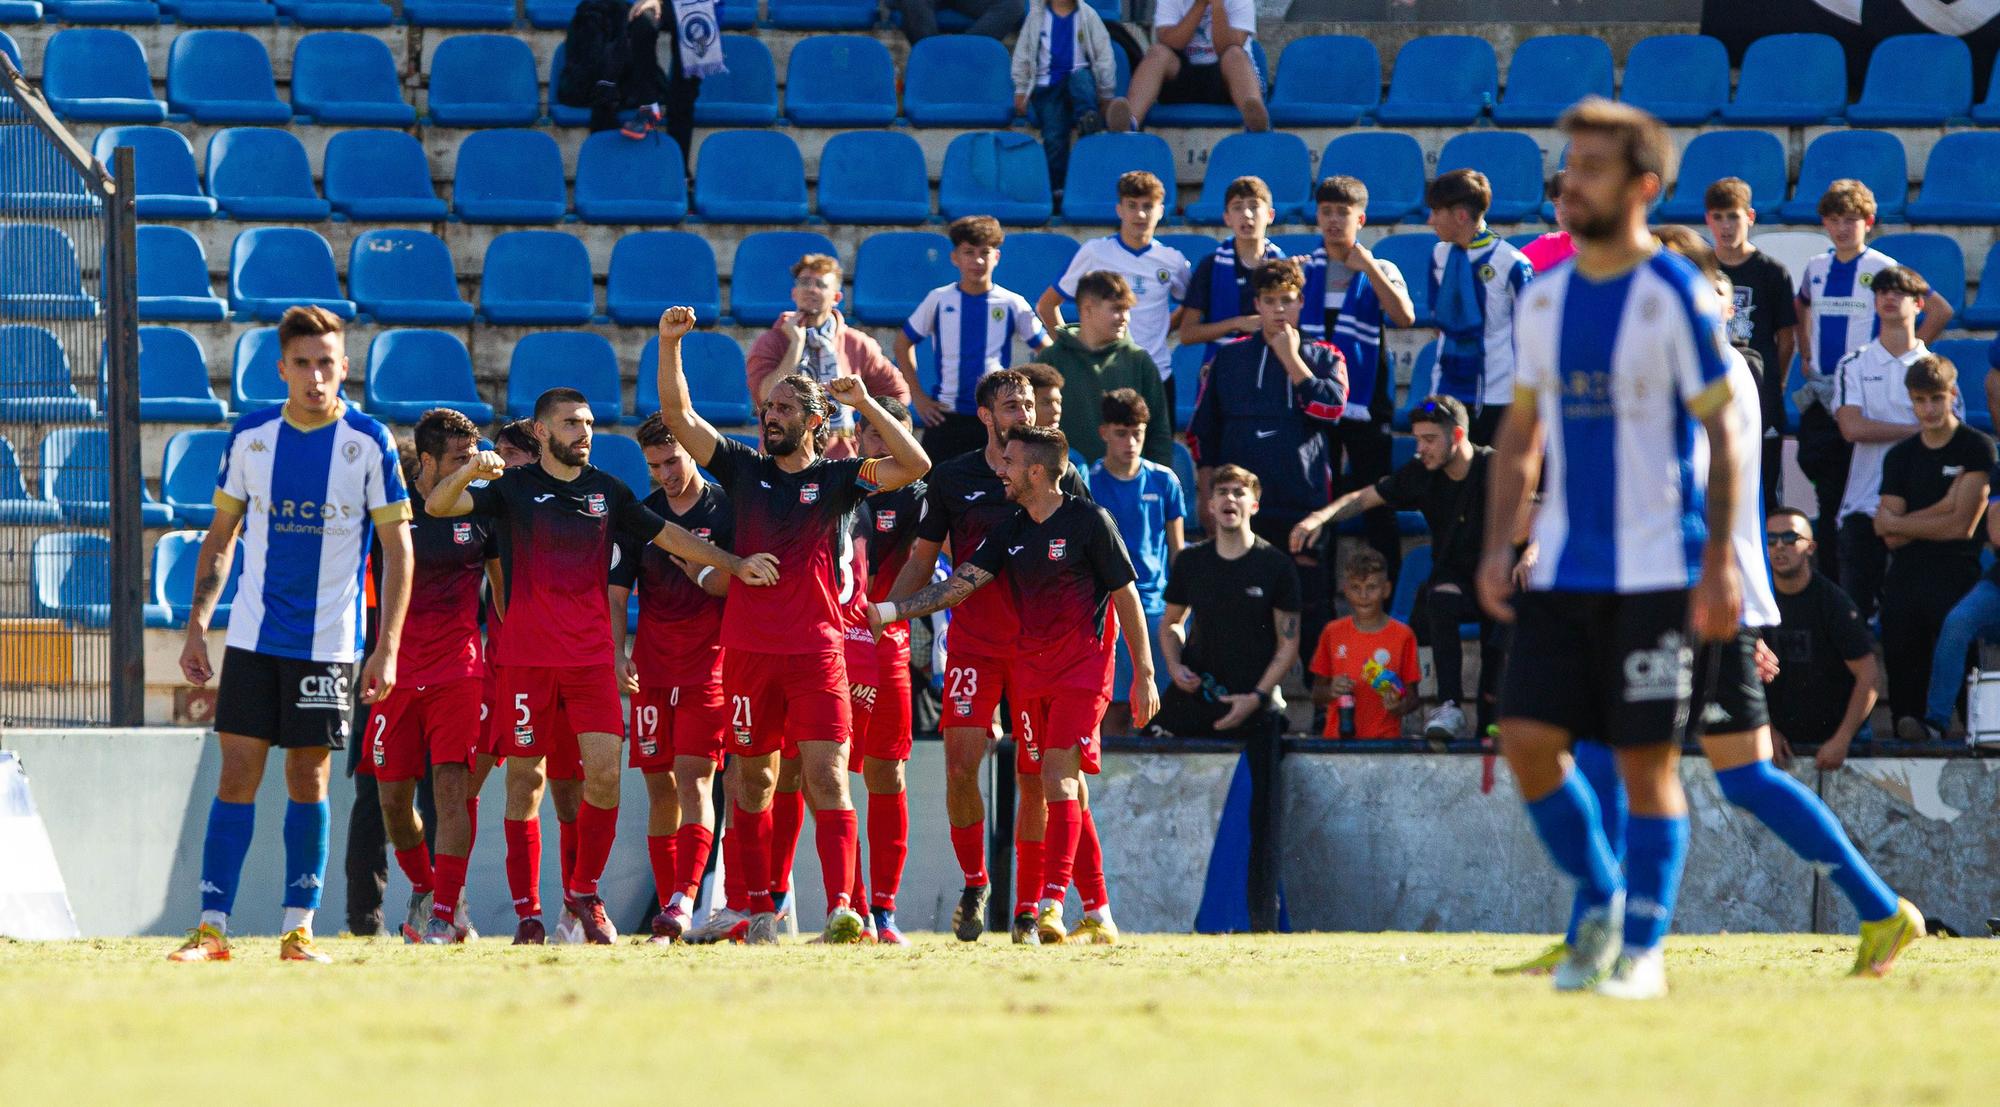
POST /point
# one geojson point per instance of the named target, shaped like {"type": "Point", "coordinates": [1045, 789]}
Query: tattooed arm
{"type": "Point", "coordinates": [1286, 624]}
{"type": "Point", "coordinates": [949, 592]}
{"type": "Point", "coordinates": [218, 551]}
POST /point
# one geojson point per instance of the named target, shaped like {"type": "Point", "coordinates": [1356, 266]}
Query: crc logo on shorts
{"type": "Point", "coordinates": [1057, 548]}
{"type": "Point", "coordinates": [885, 521]}
{"type": "Point", "coordinates": [1665, 672]}
{"type": "Point", "coordinates": [649, 745]}
{"type": "Point", "coordinates": [809, 493]}
{"type": "Point", "coordinates": [524, 736]}
{"type": "Point", "coordinates": [594, 503]}
{"type": "Point", "coordinates": [461, 533]}
{"type": "Point", "coordinates": [324, 692]}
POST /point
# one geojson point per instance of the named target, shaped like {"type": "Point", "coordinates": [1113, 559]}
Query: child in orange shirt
{"type": "Point", "coordinates": [1367, 655]}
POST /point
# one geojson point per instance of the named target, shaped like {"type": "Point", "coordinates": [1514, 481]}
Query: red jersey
{"type": "Point", "coordinates": [680, 626]}
{"type": "Point", "coordinates": [964, 501]}
{"type": "Point", "coordinates": [441, 628]}
{"type": "Point", "coordinates": [889, 525]}
{"type": "Point", "coordinates": [1064, 569]}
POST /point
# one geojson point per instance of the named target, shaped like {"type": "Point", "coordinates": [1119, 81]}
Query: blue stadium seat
{"type": "Point", "coordinates": [381, 175]}
{"type": "Point", "coordinates": [337, 13]}
{"type": "Point", "coordinates": [1547, 74]}
{"type": "Point", "coordinates": [174, 567]}
{"type": "Point", "coordinates": [1986, 113]}
{"type": "Point", "coordinates": [1683, 79]}
{"type": "Point", "coordinates": [623, 458]}
{"type": "Point", "coordinates": [622, 181]}
{"type": "Point", "coordinates": [397, 276]}
{"type": "Point", "coordinates": [840, 81]}
{"type": "Point", "coordinates": [1798, 79]}
{"type": "Point", "coordinates": [958, 81]}
{"type": "Point", "coordinates": [1959, 181]}
{"type": "Point", "coordinates": [253, 372]}
{"type": "Point", "coordinates": [40, 179]}
{"type": "Point", "coordinates": [459, 13]}
{"type": "Point", "coordinates": [1984, 313]}
{"type": "Point", "coordinates": [1915, 81]}
{"type": "Point", "coordinates": [169, 186]}
{"type": "Point", "coordinates": [188, 470]}
{"type": "Point", "coordinates": [20, 11]}
{"type": "Point", "coordinates": [561, 114]}
{"type": "Point", "coordinates": [1758, 157]}
{"type": "Point", "coordinates": [539, 278]}
{"type": "Point", "coordinates": [1090, 191]}
{"type": "Point", "coordinates": [99, 75]}
{"type": "Point", "coordinates": [1389, 163]}
{"type": "Point", "coordinates": [1030, 262]}
{"type": "Point", "coordinates": [173, 379]}
{"type": "Point", "coordinates": [1970, 356]}
{"type": "Point", "coordinates": [135, 12]}
{"type": "Point", "coordinates": [1211, 115]}
{"type": "Point", "coordinates": [1443, 80]}
{"type": "Point", "coordinates": [747, 95]}
{"type": "Point", "coordinates": [40, 277]}
{"type": "Point", "coordinates": [750, 177]}
{"type": "Point", "coordinates": [348, 78]}
{"type": "Point", "coordinates": [1412, 254]}
{"type": "Point", "coordinates": [565, 359]}
{"type": "Point", "coordinates": [17, 507]}
{"type": "Point", "coordinates": [262, 173]}
{"type": "Point", "coordinates": [713, 365]}
{"type": "Point", "coordinates": [173, 278]}
{"type": "Point", "coordinates": [274, 268]}
{"type": "Point", "coordinates": [998, 173]}
{"type": "Point", "coordinates": [412, 371]}
{"type": "Point", "coordinates": [1415, 573]}
{"type": "Point", "coordinates": [71, 576]}
{"type": "Point", "coordinates": [760, 277]}
{"type": "Point", "coordinates": [1187, 362]}
{"type": "Point", "coordinates": [36, 384]}
{"type": "Point", "coordinates": [509, 177]}
{"type": "Point", "coordinates": [1326, 81]}
{"type": "Point", "coordinates": [550, 15]}
{"type": "Point", "coordinates": [873, 177]}
{"type": "Point", "coordinates": [1295, 244]}
{"type": "Point", "coordinates": [1183, 466]}
{"type": "Point", "coordinates": [654, 270]}
{"type": "Point", "coordinates": [895, 270]}
{"type": "Point", "coordinates": [818, 15]}
{"type": "Point", "coordinates": [1193, 247]}
{"type": "Point", "coordinates": [223, 13]}
{"type": "Point", "coordinates": [223, 77]}
{"type": "Point", "coordinates": [76, 474]}
{"type": "Point", "coordinates": [1875, 158]}
{"type": "Point", "coordinates": [484, 81]}
{"type": "Point", "coordinates": [1512, 164]}
{"type": "Point", "coordinates": [1934, 255]}
{"type": "Point", "coordinates": [1280, 159]}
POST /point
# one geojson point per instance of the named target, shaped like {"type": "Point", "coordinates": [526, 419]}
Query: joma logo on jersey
{"type": "Point", "coordinates": [885, 521]}
{"type": "Point", "coordinates": [809, 493]}
{"type": "Point", "coordinates": [461, 533]}
{"type": "Point", "coordinates": [594, 503]}
{"type": "Point", "coordinates": [1057, 548]}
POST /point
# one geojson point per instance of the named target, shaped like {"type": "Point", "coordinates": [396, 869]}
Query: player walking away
{"type": "Point", "coordinates": [674, 673]}
{"type": "Point", "coordinates": [307, 481]}
{"type": "Point", "coordinates": [783, 668]}
{"type": "Point", "coordinates": [560, 518]}
{"type": "Point", "coordinates": [430, 722]}
{"type": "Point", "coordinates": [1621, 350]}
{"type": "Point", "coordinates": [1065, 562]}
{"type": "Point", "coordinates": [966, 499]}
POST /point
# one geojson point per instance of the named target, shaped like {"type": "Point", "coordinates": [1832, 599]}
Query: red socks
{"type": "Point", "coordinates": [566, 852]}
{"type": "Point", "coordinates": [692, 844]}
{"type": "Point", "coordinates": [969, 843]}
{"type": "Point", "coordinates": [888, 846]}
{"type": "Point", "coordinates": [660, 851]}
{"type": "Point", "coordinates": [524, 865]}
{"type": "Point", "coordinates": [735, 887]}
{"type": "Point", "coordinates": [416, 864]}
{"type": "Point", "coordinates": [450, 884]}
{"type": "Point", "coordinates": [1027, 874]}
{"type": "Point", "coordinates": [1090, 866]}
{"type": "Point", "coordinates": [838, 838]}
{"type": "Point", "coordinates": [596, 829]}
{"type": "Point", "coordinates": [788, 818]}
{"type": "Point", "coordinates": [754, 827]}
{"type": "Point", "coordinates": [1059, 847]}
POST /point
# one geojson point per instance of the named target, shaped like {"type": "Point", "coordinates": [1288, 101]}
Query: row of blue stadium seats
{"type": "Point", "coordinates": [494, 14]}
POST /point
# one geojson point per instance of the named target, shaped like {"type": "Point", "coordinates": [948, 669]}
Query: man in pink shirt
{"type": "Point", "coordinates": [817, 341]}
{"type": "Point", "coordinates": [1554, 248]}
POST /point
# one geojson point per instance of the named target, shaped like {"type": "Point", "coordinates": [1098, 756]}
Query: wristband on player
{"type": "Point", "coordinates": [702, 577]}
{"type": "Point", "coordinates": [886, 611]}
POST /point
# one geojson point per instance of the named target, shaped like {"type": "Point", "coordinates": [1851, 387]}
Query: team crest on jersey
{"type": "Point", "coordinates": [1057, 548]}
{"type": "Point", "coordinates": [351, 451]}
{"type": "Point", "coordinates": [1486, 272]}
{"type": "Point", "coordinates": [702, 533]}
{"type": "Point", "coordinates": [594, 503]}
{"type": "Point", "coordinates": [1866, 279]}
{"type": "Point", "coordinates": [461, 533]}
{"type": "Point", "coordinates": [809, 493]}
{"type": "Point", "coordinates": [999, 313]}
{"type": "Point", "coordinates": [1160, 275]}
{"type": "Point", "coordinates": [524, 736]}
{"type": "Point", "coordinates": [885, 521]}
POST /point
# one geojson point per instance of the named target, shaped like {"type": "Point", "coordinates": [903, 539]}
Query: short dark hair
{"type": "Point", "coordinates": [1931, 374]}
{"type": "Point", "coordinates": [1727, 194]}
{"type": "Point", "coordinates": [1641, 138]}
{"type": "Point", "coordinates": [1443, 411]}
{"type": "Point", "coordinates": [1247, 186]}
{"type": "Point", "coordinates": [655, 432]}
{"type": "Point", "coordinates": [307, 321]}
{"type": "Point", "coordinates": [1045, 446]}
{"type": "Point", "coordinates": [1342, 190]}
{"type": "Point", "coordinates": [1901, 278]}
{"type": "Point", "coordinates": [1556, 184]}
{"type": "Point", "coordinates": [547, 401]}
{"type": "Point", "coordinates": [1103, 284]}
{"type": "Point", "coordinates": [520, 434]}
{"type": "Point", "coordinates": [1363, 561]}
{"type": "Point", "coordinates": [1278, 275]}
{"type": "Point", "coordinates": [1789, 513]}
{"type": "Point", "coordinates": [976, 230]}
{"type": "Point", "coordinates": [1042, 376]}
{"type": "Point", "coordinates": [1460, 188]}
{"type": "Point", "coordinates": [438, 427]}
{"type": "Point", "coordinates": [1124, 407]}
{"type": "Point", "coordinates": [895, 409]}
{"type": "Point", "coordinates": [998, 381]}
{"type": "Point", "coordinates": [1236, 474]}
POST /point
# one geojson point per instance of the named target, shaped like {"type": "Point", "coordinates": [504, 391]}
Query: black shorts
{"type": "Point", "coordinates": [289, 703]}
{"type": "Point", "coordinates": [1728, 693]}
{"type": "Point", "coordinates": [1616, 667]}
{"type": "Point", "coordinates": [1196, 84]}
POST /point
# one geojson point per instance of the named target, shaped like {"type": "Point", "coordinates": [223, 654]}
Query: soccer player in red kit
{"type": "Point", "coordinates": [560, 518]}
{"type": "Point", "coordinates": [674, 674]}
{"type": "Point", "coordinates": [783, 668]}
{"type": "Point", "coordinates": [1065, 562]}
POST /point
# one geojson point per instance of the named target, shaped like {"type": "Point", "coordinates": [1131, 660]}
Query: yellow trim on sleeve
{"type": "Point", "coordinates": [226, 502]}
{"type": "Point", "coordinates": [390, 513]}
{"type": "Point", "coordinates": [1711, 399]}
{"type": "Point", "coordinates": [867, 475]}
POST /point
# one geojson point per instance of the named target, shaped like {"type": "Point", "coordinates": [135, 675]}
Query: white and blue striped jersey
{"type": "Point", "coordinates": [1843, 307]}
{"type": "Point", "coordinates": [1158, 276]}
{"type": "Point", "coordinates": [1619, 371]}
{"type": "Point", "coordinates": [972, 336]}
{"type": "Point", "coordinates": [1500, 273]}
{"type": "Point", "coordinates": [1746, 527]}
{"type": "Point", "coordinates": [310, 497]}
{"type": "Point", "coordinates": [1060, 49]}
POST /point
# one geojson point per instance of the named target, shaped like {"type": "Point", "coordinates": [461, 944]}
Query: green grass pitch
{"type": "Point", "coordinates": [1405, 1019]}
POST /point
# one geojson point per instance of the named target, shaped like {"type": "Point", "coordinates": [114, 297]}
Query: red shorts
{"type": "Point", "coordinates": [418, 727]}
{"type": "Point", "coordinates": [973, 686]}
{"type": "Point", "coordinates": [683, 721]}
{"type": "Point", "coordinates": [883, 730]}
{"type": "Point", "coordinates": [777, 700]}
{"type": "Point", "coordinates": [1061, 719]}
{"type": "Point", "coordinates": [536, 702]}
{"type": "Point", "coordinates": [563, 762]}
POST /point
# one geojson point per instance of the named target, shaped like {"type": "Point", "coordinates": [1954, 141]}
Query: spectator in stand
{"type": "Point", "coordinates": [1155, 273]}
{"type": "Point", "coordinates": [972, 326]}
{"type": "Point", "coordinates": [1146, 500]}
{"type": "Point", "coordinates": [1063, 76]}
{"type": "Point", "coordinates": [1365, 670]}
{"type": "Point", "coordinates": [1975, 618]}
{"type": "Point", "coordinates": [1552, 249]}
{"type": "Point", "coordinates": [1874, 412]}
{"type": "Point", "coordinates": [816, 340]}
{"type": "Point", "coordinates": [1826, 682]}
{"type": "Point", "coordinates": [1766, 318]}
{"type": "Point", "coordinates": [1200, 55]}
{"type": "Point", "coordinates": [1048, 386]}
{"type": "Point", "coordinates": [1230, 633]}
{"type": "Point", "coordinates": [1095, 358]}
{"type": "Point", "coordinates": [612, 64]}
{"type": "Point", "coordinates": [1934, 487]}
{"type": "Point", "coordinates": [1215, 308]}
{"type": "Point", "coordinates": [1475, 276]}
{"type": "Point", "coordinates": [996, 19]}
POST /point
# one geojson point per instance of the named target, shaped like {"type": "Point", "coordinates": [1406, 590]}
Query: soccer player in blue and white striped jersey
{"type": "Point", "coordinates": [1621, 361]}
{"type": "Point", "coordinates": [307, 482]}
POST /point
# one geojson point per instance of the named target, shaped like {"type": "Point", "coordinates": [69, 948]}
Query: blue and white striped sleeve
{"type": "Point", "coordinates": [230, 493]}
{"type": "Point", "coordinates": [1701, 372]}
{"type": "Point", "coordinates": [922, 322]}
{"type": "Point", "coordinates": [388, 498]}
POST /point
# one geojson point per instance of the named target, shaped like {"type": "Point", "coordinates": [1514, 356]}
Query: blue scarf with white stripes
{"type": "Point", "coordinates": [1357, 330]}
{"type": "Point", "coordinates": [1225, 300]}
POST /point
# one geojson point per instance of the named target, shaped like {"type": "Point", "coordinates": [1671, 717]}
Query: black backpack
{"type": "Point", "coordinates": [595, 54]}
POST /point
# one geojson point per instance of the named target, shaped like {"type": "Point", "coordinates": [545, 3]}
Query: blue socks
{"type": "Point", "coordinates": [306, 826]}
{"type": "Point", "coordinates": [1567, 821]}
{"type": "Point", "coordinates": [222, 853]}
{"type": "Point", "coordinates": [1599, 767]}
{"type": "Point", "coordinates": [1655, 854]}
{"type": "Point", "coordinates": [1802, 821]}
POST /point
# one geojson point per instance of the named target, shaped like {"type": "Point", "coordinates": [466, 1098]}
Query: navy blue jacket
{"type": "Point", "coordinates": [1251, 414]}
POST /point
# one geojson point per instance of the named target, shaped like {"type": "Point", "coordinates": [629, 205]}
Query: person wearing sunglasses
{"type": "Point", "coordinates": [1827, 672]}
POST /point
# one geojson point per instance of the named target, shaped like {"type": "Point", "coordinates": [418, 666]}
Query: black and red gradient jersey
{"type": "Point", "coordinates": [965, 500]}
{"type": "Point", "coordinates": [889, 524]}
{"type": "Point", "coordinates": [441, 629]}
{"type": "Point", "coordinates": [680, 626]}
{"type": "Point", "coordinates": [1064, 570]}
{"type": "Point", "coordinates": [557, 541]}
{"type": "Point", "coordinates": [804, 520]}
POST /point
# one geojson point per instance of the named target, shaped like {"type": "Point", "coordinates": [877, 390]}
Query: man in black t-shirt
{"type": "Point", "coordinates": [1766, 317]}
{"type": "Point", "coordinates": [1826, 682]}
{"type": "Point", "coordinates": [1934, 487]}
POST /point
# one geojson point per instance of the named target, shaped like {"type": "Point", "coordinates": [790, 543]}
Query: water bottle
{"type": "Point", "coordinates": [1346, 704]}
